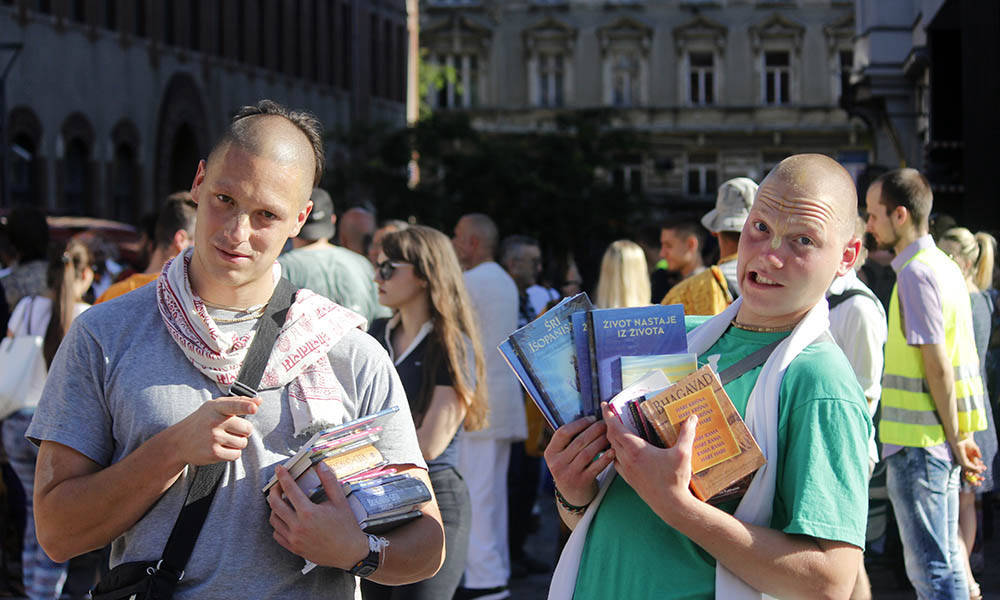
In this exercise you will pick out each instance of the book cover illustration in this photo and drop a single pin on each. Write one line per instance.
(545, 350)
(724, 451)
(674, 366)
(642, 331)
(510, 356)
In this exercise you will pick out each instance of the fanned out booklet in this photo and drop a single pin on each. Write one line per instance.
(380, 498)
(574, 356)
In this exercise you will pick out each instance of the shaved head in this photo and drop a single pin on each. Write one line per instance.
(269, 130)
(483, 228)
(819, 176)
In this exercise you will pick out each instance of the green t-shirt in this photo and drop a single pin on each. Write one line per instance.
(343, 276)
(821, 488)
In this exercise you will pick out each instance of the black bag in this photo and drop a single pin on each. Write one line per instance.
(157, 580)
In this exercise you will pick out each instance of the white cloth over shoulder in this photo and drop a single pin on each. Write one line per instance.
(762, 421)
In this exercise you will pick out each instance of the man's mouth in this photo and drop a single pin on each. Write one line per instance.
(758, 278)
(228, 255)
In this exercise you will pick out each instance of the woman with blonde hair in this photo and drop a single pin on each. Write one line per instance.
(433, 340)
(624, 279)
(68, 277)
(974, 255)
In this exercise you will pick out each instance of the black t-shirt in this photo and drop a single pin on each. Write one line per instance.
(411, 374)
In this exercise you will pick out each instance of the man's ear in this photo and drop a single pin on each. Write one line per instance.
(199, 178)
(899, 215)
(691, 243)
(851, 253)
(300, 219)
(181, 241)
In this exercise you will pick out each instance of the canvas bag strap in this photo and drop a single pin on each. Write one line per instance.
(189, 522)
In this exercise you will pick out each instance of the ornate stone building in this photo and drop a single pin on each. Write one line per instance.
(110, 104)
(723, 88)
(926, 82)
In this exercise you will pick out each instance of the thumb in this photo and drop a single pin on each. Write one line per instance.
(685, 438)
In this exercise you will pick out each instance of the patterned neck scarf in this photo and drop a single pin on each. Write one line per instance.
(298, 360)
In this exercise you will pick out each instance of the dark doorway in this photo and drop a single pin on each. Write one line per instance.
(23, 171)
(184, 159)
(76, 178)
(125, 184)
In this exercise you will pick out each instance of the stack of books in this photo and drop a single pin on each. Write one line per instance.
(574, 357)
(380, 497)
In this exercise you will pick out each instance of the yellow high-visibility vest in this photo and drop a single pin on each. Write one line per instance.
(909, 416)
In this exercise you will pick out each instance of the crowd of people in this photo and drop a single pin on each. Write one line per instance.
(142, 392)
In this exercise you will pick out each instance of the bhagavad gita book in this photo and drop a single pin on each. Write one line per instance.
(725, 456)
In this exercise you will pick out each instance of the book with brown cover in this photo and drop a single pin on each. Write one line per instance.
(725, 455)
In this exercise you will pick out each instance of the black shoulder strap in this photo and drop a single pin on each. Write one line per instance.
(759, 357)
(189, 522)
(836, 299)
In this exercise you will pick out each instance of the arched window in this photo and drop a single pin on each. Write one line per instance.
(125, 175)
(23, 181)
(76, 175)
(25, 167)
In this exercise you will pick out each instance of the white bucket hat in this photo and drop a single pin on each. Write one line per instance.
(732, 205)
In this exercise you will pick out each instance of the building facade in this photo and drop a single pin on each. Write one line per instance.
(723, 88)
(110, 104)
(926, 84)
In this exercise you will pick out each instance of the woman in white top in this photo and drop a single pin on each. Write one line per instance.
(70, 274)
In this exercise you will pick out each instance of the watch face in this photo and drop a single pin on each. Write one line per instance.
(366, 566)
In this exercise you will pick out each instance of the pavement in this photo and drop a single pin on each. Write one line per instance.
(887, 576)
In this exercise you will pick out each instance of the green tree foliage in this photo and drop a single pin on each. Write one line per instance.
(556, 186)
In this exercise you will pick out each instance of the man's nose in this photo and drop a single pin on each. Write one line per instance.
(237, 228)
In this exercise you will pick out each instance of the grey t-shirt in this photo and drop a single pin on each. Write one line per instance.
(119, 378)
(341, 275)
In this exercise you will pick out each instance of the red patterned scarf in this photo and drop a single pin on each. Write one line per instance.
(299, 357)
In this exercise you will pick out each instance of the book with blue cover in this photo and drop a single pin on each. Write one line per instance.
(586, 367)
(544, 348)
(642, 331)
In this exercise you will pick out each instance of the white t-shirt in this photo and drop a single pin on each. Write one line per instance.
(859, 326)
(494, 296)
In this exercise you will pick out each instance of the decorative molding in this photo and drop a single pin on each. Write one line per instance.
(626, 29)
(839, 32)
(456, 31)
(549, 31)
(777, 27)
(700, 28)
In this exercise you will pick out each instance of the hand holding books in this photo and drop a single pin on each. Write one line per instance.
(575, 458)
(661, 476)
(325, 533)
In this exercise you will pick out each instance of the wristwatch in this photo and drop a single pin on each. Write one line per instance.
(369, 564)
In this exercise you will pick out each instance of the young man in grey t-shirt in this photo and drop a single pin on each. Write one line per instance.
(135, 396)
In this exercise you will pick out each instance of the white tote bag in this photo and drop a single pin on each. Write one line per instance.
(22, 369)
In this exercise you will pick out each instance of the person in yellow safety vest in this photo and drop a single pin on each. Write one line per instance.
(932, 392)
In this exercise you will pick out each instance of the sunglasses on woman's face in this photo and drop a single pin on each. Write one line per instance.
(387, 268)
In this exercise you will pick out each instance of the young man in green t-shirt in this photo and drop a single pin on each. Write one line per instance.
(799, 530)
